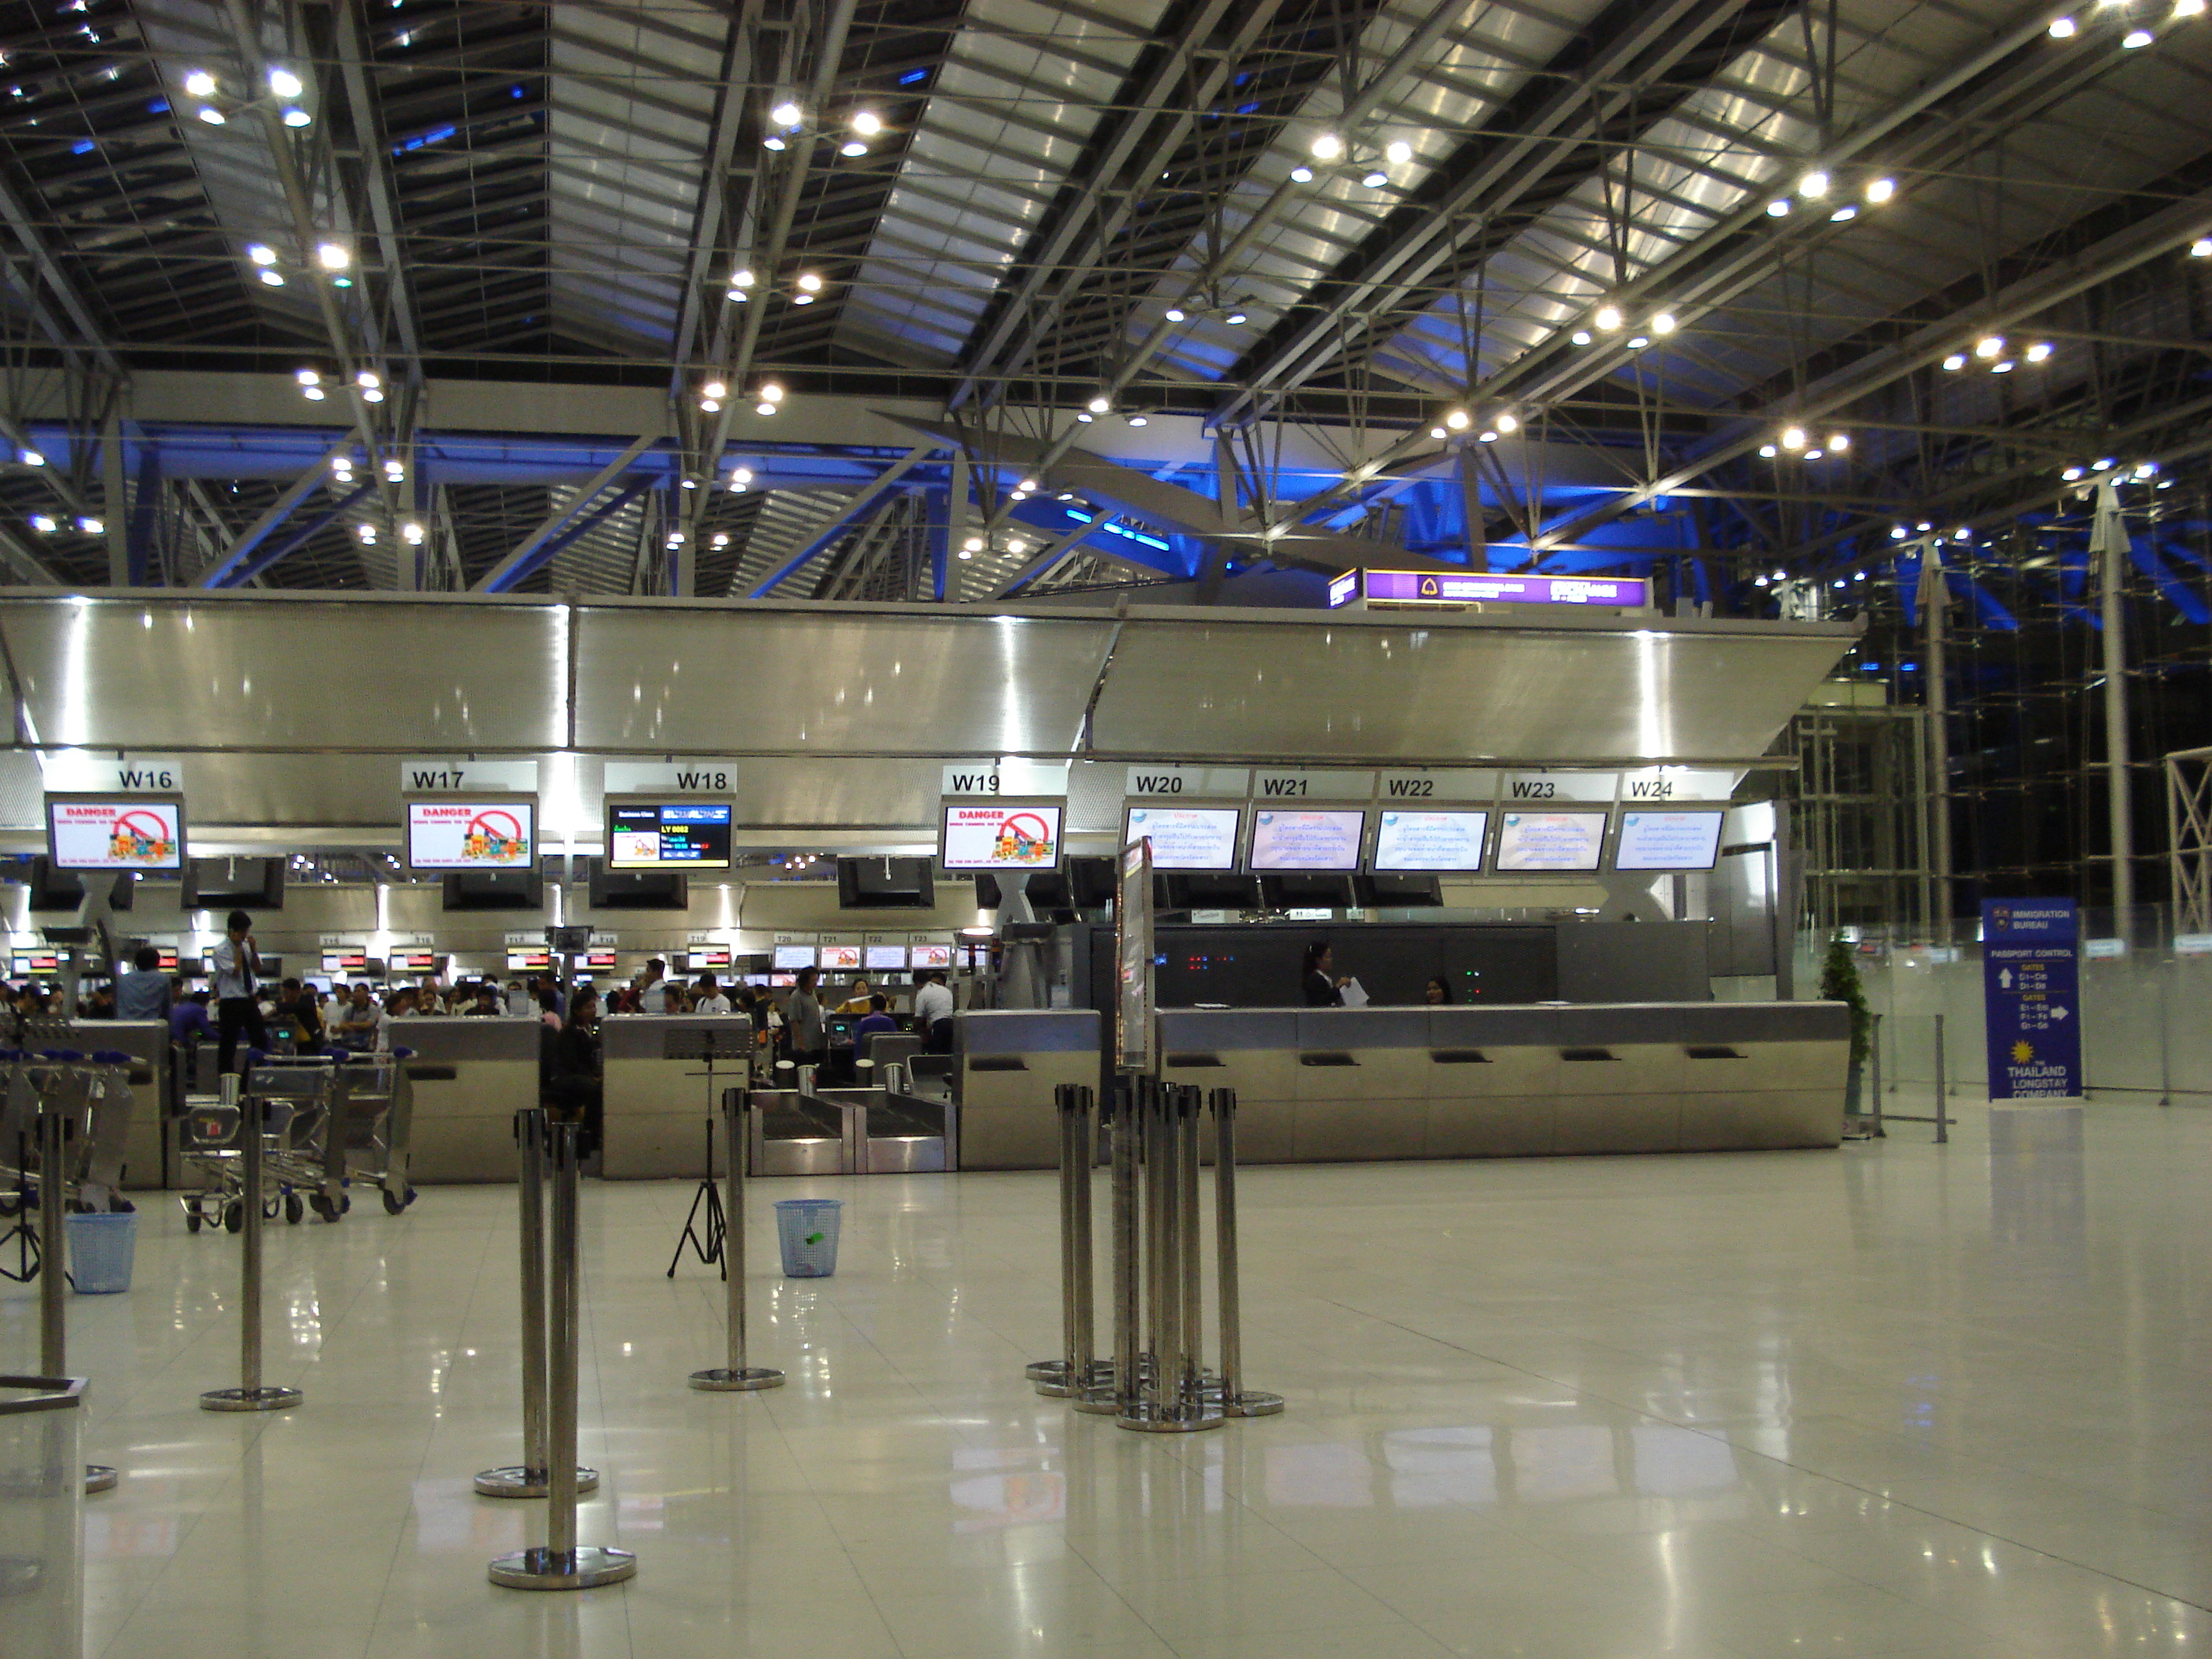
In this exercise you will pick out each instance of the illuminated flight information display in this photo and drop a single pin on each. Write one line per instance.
(669, 834)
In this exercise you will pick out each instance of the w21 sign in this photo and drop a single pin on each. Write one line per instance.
(2030, 998)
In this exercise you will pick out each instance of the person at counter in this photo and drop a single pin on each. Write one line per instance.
(803, 1017)
(355, 1023)
(237, 977)
(1438, 992)
(188, 1020)
(933, 1012)
(487, 1004)
(295, 1005)
(856, 999)
(571, 1079)
(1321, 989)
(653, 994)
(401, 1005)
(877, 1018)
(710, 999)
(144, 993)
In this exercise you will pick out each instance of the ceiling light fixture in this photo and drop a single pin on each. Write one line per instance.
(866, 123)
(1580, 337)
(1176, 313)
(1768, 451)
(1398, 152)
(1459, 420)
(1663, 322)
(852, 147)
(200, 84)
(1779, 208)
(772, 141)
(1375, 178)
(1236, 319)
(1793, 437)
(2040, 352)
(1880, 190)
(1813, 183)
(284, 83)
(1099, 403)
(1607, 317)
(295, 117)
(1839, 441)
(1989, 345)
(2061, 28)
(332, 256)
(1508, 423)
(1955, 362)
(809, 282)
(1844, 215)
(2134, 39)
(785, 113)
(1327, 147)
(211, 115)
(261, 253)
(31, 458)
(271, 279)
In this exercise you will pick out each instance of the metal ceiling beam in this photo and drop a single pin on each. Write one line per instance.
(731, 87)
(348, 30)
(870, 494)
(552, 549)
(227, 572)
(518, 564)
(265, 560)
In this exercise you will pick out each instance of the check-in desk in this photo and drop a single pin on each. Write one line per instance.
(1342, 1083)
(1006, 1062)
(470, 1075)
(147, 1157)
(656, 1094)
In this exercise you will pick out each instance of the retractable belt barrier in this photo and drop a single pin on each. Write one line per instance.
(243, 1117)
(735, 1375)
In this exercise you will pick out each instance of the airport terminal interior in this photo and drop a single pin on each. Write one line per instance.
(1119, 829)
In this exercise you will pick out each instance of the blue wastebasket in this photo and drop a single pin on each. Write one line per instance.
(101, 1248)
(806, 1228)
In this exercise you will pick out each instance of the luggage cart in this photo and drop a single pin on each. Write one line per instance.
(209, 1141)
(372, 1112)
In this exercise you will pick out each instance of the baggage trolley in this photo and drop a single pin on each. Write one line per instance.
(209, 1139)
(372, 1112)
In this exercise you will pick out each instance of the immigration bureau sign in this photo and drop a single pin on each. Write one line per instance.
(2030, 1000)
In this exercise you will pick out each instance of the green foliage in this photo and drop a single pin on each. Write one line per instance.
(1839, 983)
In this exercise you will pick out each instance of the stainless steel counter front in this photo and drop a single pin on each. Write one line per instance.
(147, 1157)
(658, 1101)
(471, 1077)
(1340, 1084)
(1006, 1062)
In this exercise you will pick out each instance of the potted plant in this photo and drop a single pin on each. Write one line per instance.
(1839, 983)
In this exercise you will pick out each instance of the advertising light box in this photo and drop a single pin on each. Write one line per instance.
(115, 832)
(790, 958)
(1319, 840)
(668, 835)
(1000, 834)
(490, 834)
(1551, 840)
(1668, 841)
(1186, 837)
(1409, 842)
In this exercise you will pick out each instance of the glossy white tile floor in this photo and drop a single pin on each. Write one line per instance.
(1896, 1400)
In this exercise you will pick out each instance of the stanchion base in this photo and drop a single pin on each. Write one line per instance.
(587, 1567)
(1046, 1370)
(249, 1400)
(1254, 1402)
(529, 1483)
(1057, 1386)
(1153, 1419)
(98, 1477)
(1101, 1402)
(722, 1380)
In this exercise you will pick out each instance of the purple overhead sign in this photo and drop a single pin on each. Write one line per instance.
(1474, 587)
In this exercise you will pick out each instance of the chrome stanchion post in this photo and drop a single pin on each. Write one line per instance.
(562, 1563)
(1942, 1087)
(737, 1377)
(53, 1313)
(529, 1479)
(1874, 1054)
(1082, 1360)
(1119, 1375)
(1236, 1399)
(1170, 1401)
(1192, 1289)
(249, 1395)
(1050, 1376)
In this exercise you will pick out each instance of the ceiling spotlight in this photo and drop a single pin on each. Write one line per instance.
(1844, 215)
(1663, 322)
(2134, 39)
(771, 143)
(1176, 313)
(1302, 174)
(740, 477)
(396, 469)
(332, 256)
(809, 282)
(711, 405)
(44, 523)
(713, 389)
(1375, 179)
(1989, 345)
(313, 394)
(676, 538)
(802, 299)
(1815, 454)
(1880, 190)
(367, 533)
(1580, 337)
(1814, 184)
(1897, 532)
(1508, 423)
(1028, 484)
(1015, 544)
(1767, 451)
(2002, 366)
(1779, 207)
(31, 458)
(1638, 342)
(211, 115)
(1955, 362)
(1458, 420)
(371, 394)
(367, 380)
(866, 123)
(1398, 152)
(2188, 8)
(284, 83)
(271, 279)
(2201, 248)
(2072, 475)
(1100, 404)
(1607, 317)
(1793, 438)
(200, 84)
(721, 539)
(771, 391)
(1486, 436)
(91, 526)
(785, 113)
(2039, 351)
(973, 544)
(308, 377)
(261, 253)
(1137, 420)
(1085, 417)
(1437, 431)
(2061, 28)
(1839, 441)
(764, 409)
(296, 117)
(1236, 319)
(741, 277)
(1327, 147)
(411, 533)
(852, 147)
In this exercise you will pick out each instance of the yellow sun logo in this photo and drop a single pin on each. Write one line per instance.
(2022, 1053)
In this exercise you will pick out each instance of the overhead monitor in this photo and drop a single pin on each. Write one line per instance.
(488, 832)
(705, 956)
(344, 962)
(414, 962)
(1186, 837)
(782, 982)
(527, 962)
(601, 961)
(116, 832)
(1312, 839)
(1408, 843)
(789, 958)
(679, 834)
(887, 958)
(23, 963)
(1000, 834)
(167, 964)
(929, 956)
(1668, 841)
(839, 959)
(1550, 842)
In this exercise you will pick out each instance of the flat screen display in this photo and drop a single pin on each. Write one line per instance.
(1186, 837)
(525, 961)
(668, 835)
(1412, 842)
(929, 956)
(839, 959)
(1000, 834)
(415, 961)
(1668, 841)
(346, 962)
(167, 964)
(1305, 840)
(789, 958)
(706, 956)
(782, 981)
(1551, 840)
(115, 832)
(887, 958)
(22, 964)
(599, 960)
(478, 835)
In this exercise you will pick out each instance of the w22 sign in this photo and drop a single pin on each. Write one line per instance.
(2030, 998)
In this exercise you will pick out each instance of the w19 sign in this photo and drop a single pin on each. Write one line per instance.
(2030, 998)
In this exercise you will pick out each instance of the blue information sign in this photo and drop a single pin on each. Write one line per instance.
(2030, 1000)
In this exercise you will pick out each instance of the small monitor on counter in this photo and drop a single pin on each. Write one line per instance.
(1683, 840)
(1186, 837)
(1561, 841)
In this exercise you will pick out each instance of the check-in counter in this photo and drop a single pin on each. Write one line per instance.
(658, 1099)
(1006, 1063)
(470, 1075)
(148, 1157)
(1332, 1084)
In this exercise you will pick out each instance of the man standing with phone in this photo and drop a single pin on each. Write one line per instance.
(237, 976)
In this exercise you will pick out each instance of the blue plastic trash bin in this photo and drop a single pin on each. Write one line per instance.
(806, 1228)
(101, 1248)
